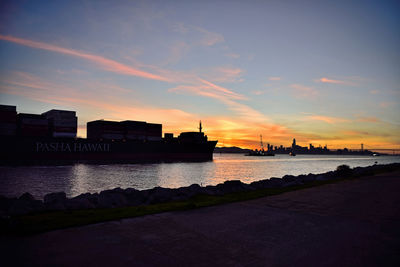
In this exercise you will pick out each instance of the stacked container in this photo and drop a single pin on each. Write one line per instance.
(153, 132)
(32, 125)
(100, 129)
(8, 120)
(169, 136)
(62, 123)
(130, 130)
(134, 130)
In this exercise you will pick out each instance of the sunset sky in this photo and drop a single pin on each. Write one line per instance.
(323, 72)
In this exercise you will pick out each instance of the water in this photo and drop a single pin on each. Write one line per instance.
(83, 178)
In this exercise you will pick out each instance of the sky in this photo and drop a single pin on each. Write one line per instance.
(323, 72)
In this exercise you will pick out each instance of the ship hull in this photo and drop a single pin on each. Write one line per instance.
(27, 151)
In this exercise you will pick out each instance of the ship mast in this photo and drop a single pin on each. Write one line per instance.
(200, 127)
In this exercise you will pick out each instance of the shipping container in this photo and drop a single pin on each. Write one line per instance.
(153, 130)
(32, 125)
(64, 134)
(134, 130)
(169, 136)
(62, 123)
(64, 129)
(60, 114)
(8, 128)
(8, 108)
(8, 114)
(102, 129)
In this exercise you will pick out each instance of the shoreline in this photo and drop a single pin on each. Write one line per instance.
(25, 215)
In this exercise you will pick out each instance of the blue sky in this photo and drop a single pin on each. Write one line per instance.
(325, 72)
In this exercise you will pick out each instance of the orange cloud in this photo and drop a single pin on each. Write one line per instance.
(369, 119)
(332, 81)
(304, 91)
(330, 120)
(386, 104)
(274, 78)
(222, 90)
(226, 74)
(374, 92)
(209, 38)
(233, 55)
(107, 64)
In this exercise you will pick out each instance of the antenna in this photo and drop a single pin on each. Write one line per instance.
(200, 127)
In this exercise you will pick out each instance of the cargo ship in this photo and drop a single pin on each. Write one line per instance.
(51, 138)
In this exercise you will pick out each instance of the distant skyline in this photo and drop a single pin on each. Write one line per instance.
(323, 72)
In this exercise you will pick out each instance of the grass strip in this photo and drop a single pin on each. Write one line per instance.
(48, 221)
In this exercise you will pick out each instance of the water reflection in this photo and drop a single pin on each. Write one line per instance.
(81, 178)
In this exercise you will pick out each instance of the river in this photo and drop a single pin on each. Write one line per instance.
(82, 178)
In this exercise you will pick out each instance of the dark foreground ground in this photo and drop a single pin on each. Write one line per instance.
(350, 223)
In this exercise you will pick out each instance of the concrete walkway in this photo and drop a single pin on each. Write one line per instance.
(352, 223)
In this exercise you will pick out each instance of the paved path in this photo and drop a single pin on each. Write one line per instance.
(352, 223)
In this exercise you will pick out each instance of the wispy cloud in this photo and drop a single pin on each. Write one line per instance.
(386, 104)
(304, 91)
(374, 92)
(225, 74)
(104, 63)
(355, 133)
(368, 119)
(209, 38)
(177, 51)
(180, 27)
(327, 119)
(232, 55)
(208, 89)
(349, 81)
(227, 97)
(274, 78)
(258, 92)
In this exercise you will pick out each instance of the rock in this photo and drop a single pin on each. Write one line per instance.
(160, 195)
(24, 205)
(26, 196)
(358, 171)
(195, 189)
(307, 178)
(55, 201)
(5, 204)
(134, 197)
(233, 186)
(82, 201)
(212, 190)
(322, 177)
(268, 183)
(184, 193)
(112, 198)
(276, 182)
(289, 178)
(344, 171)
